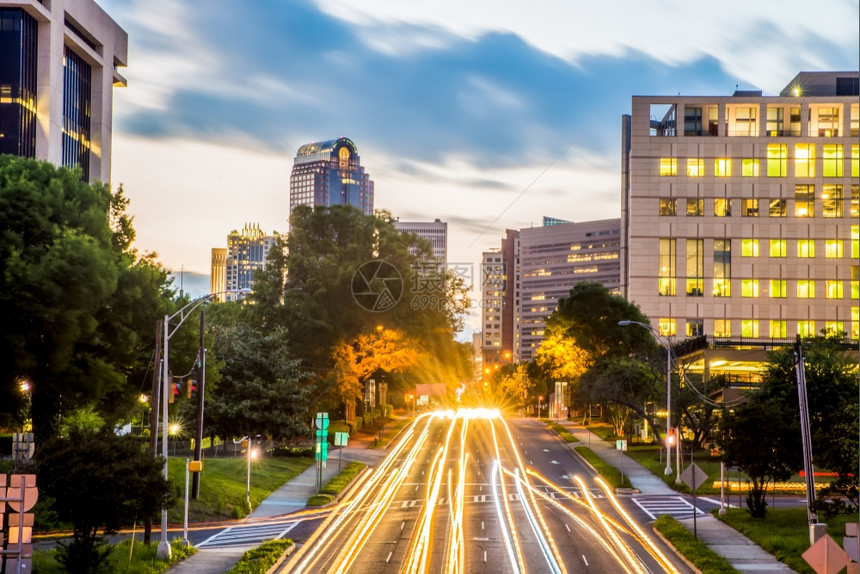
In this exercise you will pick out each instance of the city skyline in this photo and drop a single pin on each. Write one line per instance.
(458, 112)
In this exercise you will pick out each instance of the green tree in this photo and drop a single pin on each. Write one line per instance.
(99, 482)
(78, 304)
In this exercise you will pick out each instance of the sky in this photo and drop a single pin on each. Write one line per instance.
(486, 114)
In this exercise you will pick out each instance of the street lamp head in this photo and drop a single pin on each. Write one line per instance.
(624, 323)
(143, 399)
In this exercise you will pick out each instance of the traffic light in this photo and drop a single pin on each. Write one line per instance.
(175, 389)
(191, 388)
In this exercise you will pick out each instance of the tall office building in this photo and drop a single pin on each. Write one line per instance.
(59, 64)
(550, 261)
(436, 232)
(330, 173)
(740, 213)
(233, 268)
(498, 284)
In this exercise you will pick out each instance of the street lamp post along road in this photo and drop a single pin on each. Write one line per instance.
(659, 336)
(185, 312)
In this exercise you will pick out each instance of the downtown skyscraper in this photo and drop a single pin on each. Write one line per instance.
(330, 173)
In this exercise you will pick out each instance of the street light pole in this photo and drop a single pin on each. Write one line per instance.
(163, 551)
(658, 335)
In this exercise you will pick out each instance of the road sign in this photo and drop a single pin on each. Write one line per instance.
(27, 483)
(694, 477)
(321, 421)
(825, 556)
(341, 438)
(621, 445)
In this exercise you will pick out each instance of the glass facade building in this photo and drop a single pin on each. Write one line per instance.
(330, 173)
(18, 75)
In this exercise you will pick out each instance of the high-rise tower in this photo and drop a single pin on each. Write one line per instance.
(330, 173)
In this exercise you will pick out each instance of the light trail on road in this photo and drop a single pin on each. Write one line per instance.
(372, 532)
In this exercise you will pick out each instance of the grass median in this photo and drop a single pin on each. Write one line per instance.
(561, 431)
(337, 483)
(223, 484)
(693, 549)
(123, 557)
(259, 560)
(609, 473)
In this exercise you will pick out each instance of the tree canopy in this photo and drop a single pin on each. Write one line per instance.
(79, 305)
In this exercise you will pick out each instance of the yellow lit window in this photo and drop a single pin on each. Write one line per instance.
(668, 206)
(778, 329)
(778, 288)
(833, 249)
(855, 289)
(695, 167)
(777, 208)
(855, 323)
(855, 241)
(833, 289)
(695, 207)
(723, 167)
(778, 248)
(668, 166)
(777, 160)
(667, 327)
(749, 287)
(749, 247)
(806, 248)
(749, 208)
(749, 328)
(855, 201)
(832, 160)
(834, 327)
(855, 160)
(749, 167)
(666, 271)
(722, 328)
(722, 207)
(722, 288)
(825, 121)
(805, 289)
(806, 328)
(831, 200)
(804, 200)
(804, 160)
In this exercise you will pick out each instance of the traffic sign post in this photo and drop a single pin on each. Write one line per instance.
(321, 422)
(341, 439)
(21, 496)
(694, 477)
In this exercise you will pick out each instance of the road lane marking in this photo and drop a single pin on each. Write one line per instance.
(389, 556)
(584, 560)
(566, 526)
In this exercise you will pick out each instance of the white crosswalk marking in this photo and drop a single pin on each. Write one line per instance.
(675, 506)
(248, 535)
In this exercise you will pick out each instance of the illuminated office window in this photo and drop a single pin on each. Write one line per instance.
(806, 248)
(777, 160)
(805, 289)
(749, 208)
(749, 247)
(775, 121)
(804, 201)
(666, 273)
(695, 207)
(668, 166)
(855, 160)
(667, 327)
(722, 328)
(723, 167)
(794, 122)
(722, 207)
(742, 120)
(695, 327)
(806, 328)
(695, 167)
(722, 267)
(831, 200)
(778, 329)
(855, 323)
(804, 160)
(749, 167)
(777, 208)
(824, 121)
(832, 160)
(855, 241)
(749, 328)
(833, 289)
(668, 206)
(855, 201)
(834, 327)
(778, 247)
(833, 248)
(695, 267)
(778, 288)
(749, 287)
(855, 121)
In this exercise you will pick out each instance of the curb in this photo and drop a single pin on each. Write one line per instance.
(274, 567)
(676, 551)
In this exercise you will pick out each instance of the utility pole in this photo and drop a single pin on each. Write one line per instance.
(201, 387)
(153, 398)
(806, 441)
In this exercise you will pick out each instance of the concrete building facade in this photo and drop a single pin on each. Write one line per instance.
(59, 63)
(740, 213)
(436, 232)
(550, 261)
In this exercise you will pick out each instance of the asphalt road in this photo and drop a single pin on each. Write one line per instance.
(480, 494)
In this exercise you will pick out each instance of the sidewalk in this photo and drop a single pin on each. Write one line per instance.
(737, 549)
(289, 498)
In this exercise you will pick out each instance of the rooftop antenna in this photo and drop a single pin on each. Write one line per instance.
(181, 277)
